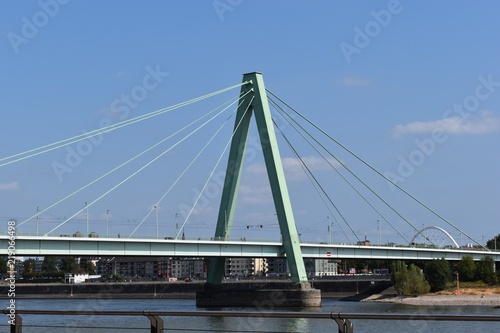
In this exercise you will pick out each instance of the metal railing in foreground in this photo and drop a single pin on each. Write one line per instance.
(343, 320)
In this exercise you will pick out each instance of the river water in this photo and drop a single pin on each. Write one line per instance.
(90, 324)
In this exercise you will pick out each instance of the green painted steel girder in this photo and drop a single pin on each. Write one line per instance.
(35, 246)
(255, 103)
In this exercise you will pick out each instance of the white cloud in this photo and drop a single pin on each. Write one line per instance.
(12, 186)
(255, 188)
(482, 123)
(294, 170)
(293, 167)
(256, 194)
(256, 169)
(121, 73)
(354, 81)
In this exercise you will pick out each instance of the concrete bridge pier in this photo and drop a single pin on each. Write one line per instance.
(294, 296)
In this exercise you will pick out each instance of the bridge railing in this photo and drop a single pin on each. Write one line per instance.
(244, 239)
(157, 325)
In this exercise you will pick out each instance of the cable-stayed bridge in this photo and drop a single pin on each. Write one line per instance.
(274, 119)
(96, 247)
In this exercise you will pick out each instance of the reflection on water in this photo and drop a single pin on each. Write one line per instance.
(296, 325)
(113, 324)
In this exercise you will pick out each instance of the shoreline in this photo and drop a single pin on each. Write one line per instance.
(422, 300)
(438, 300)
(153, 290)
(186, 295)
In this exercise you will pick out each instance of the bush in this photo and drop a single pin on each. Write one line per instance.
(399, 277)
(408, 281)
(416, 281)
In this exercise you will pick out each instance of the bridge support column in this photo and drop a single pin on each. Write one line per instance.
(253, 101)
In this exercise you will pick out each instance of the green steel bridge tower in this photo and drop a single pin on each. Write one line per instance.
(256, 104)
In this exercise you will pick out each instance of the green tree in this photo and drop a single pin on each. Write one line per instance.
(416, 281)
(486, 271)
(90, 268)
(87, 266)
(399, 277)
(69, 265)
(3, 266)
(377, 264)
(408, 281)
(29, 268)
(49, 265)
(116, 277)
(438, 274)
(466, 268)
(494, 243)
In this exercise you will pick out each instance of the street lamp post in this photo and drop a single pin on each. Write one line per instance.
(379, 232)
(87, 209)
(330, 229)
(176, 225)
(107, 223)
(156, 208)
(329, 236)
(37, 210)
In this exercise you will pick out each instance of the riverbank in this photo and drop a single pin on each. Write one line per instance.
(171, 290)
(466, 297)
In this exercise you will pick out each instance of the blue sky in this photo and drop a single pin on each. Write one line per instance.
(413, 87)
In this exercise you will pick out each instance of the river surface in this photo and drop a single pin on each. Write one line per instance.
(90, 324)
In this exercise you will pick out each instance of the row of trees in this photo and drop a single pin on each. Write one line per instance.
(494, 243)
(414, 280)
(51, 267)
(483, 270)
(435, 275)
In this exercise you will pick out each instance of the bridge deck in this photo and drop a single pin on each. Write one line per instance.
(74, 246)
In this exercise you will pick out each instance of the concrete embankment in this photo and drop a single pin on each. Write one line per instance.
(164, 289)
(106, 290)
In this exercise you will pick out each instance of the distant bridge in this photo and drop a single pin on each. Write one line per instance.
(75, 246)
(435, 235)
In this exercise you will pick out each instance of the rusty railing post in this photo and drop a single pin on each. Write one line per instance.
(17, 327)
(157, 323)
(344, 324)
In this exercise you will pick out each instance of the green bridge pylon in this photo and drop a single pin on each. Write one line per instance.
(255, 103)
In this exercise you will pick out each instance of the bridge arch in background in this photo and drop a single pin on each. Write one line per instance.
(434, 235)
